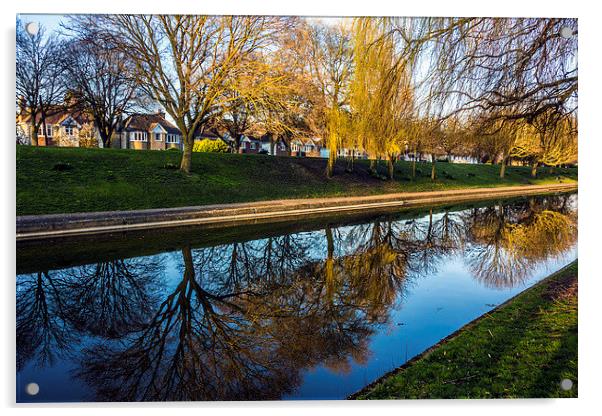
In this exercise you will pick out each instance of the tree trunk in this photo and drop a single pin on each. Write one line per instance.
(433, 168)
(237, 140)
(329, 270)
(34, 133)
(534, 169)
(390, 166)
(503, 167)
(106, 138)
(331, 161)
(373, 166)
(186, 163)
(414, 165)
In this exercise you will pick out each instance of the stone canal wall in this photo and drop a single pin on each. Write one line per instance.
(34, 227)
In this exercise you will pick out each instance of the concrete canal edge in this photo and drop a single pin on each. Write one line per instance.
(466, 327)
(38, 227)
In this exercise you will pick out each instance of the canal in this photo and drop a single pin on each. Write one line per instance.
(313, 309)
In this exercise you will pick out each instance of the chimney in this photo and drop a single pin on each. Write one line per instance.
(161, 113)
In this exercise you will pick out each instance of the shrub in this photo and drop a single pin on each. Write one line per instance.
(210, 146)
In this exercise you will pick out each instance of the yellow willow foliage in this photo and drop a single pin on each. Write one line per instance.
(526, 142)
(380, 93)
(376, 274)
(513, 249)
(549, 233)
(560, 145)
(551, 143)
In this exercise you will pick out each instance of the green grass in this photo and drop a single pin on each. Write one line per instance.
(110, 179)
(521, 350)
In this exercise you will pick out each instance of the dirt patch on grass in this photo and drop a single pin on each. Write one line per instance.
(562, 289)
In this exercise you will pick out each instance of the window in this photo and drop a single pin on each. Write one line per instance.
(172, 138)
(69, 130)
(282, 146)
(138, 136)
(252, 146)
(158, 137)
(48, 130)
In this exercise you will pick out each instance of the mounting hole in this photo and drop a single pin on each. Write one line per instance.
(32, 28)
(32, 389)
(566, 32)
(566, 384)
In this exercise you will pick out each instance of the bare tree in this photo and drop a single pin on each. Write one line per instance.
(329, 55)
(101, 77)
(40, 87)
(188, 63)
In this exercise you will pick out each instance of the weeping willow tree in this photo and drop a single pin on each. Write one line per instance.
(522, 71)
(551, 139)
(381, 93)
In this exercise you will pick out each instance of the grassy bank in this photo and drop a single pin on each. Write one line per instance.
(523, 349)
(62, 180)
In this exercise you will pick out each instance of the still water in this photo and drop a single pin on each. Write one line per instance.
(298, 312)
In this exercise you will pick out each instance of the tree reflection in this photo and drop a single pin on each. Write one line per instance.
(207, 343)
(41, 331)
(508, 241)
(242, 320)
(112, 298)
(56, 309)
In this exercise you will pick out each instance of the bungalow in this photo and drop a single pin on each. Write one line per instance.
(249, 144)
(62, 127)
(148, 132)
(344, 152)
(310, 147)
(278, 148)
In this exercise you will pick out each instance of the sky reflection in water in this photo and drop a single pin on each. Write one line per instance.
(305, 315)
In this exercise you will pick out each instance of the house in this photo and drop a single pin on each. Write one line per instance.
(62, 127)
(269, 147)
(148, 132)
(308, 147)
(249, 144)
(344, 152)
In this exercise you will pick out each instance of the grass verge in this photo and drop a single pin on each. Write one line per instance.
(66, 180)
(523, 349)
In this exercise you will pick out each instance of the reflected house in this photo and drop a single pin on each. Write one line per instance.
(148, 132)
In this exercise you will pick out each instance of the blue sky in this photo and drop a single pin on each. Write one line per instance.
(50, 22)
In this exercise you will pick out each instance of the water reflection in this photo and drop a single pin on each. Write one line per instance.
(242, 321)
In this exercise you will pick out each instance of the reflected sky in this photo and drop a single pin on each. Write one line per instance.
(312, 314)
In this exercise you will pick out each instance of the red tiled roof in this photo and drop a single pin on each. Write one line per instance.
(57, 115)
(146, 122)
